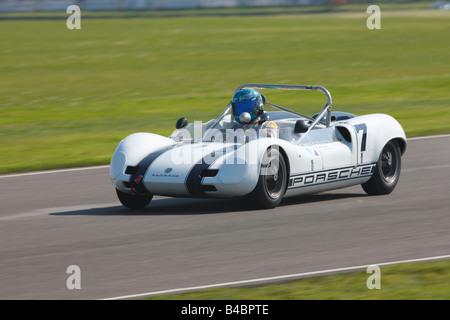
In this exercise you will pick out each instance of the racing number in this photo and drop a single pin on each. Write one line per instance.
(363, 127)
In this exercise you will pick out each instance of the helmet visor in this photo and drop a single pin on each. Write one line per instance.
(245, 106)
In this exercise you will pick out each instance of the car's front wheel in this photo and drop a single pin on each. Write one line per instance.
(133, 201)
(387, 171)
(272, 181)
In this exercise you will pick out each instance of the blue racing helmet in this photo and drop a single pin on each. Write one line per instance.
(247, 100)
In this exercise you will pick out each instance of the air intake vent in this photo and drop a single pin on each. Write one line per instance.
(208, 173)
(208, 188)
(345, 133)
(131, 170)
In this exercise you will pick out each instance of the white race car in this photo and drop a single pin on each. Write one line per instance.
(278, 154)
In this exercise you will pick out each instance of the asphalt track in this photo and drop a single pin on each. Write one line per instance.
(52, 220)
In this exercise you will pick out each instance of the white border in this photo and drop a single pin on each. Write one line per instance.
(275, 278)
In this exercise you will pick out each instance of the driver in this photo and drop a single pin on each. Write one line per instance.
(248, 110)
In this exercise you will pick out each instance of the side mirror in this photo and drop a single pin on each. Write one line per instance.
(181, 123)
(301, 126)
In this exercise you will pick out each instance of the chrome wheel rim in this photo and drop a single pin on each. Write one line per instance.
(274, 180)
(389, 164)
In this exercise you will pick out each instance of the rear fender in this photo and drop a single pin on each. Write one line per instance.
(373, 132)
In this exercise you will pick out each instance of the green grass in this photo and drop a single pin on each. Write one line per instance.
(411, 281)
(68, 96)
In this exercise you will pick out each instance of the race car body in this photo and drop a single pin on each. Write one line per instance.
(283, 154)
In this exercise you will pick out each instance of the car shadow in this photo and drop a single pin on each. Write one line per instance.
(319, 197)
(203, 206)
(167, 206)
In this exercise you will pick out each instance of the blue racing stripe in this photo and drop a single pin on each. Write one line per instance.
(136, 181)
(194, 178)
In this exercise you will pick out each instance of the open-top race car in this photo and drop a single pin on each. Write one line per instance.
(267, 155)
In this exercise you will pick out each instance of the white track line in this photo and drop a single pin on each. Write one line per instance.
(16, 175)
(283, 277)
(429, 137)
(58, 210)
(52, 171)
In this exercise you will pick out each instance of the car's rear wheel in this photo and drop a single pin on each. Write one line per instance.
(133, 201)
(272, 181)
(387, 171)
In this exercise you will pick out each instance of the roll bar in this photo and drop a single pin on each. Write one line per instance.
(326, 110)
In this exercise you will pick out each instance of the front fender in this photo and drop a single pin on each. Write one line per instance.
(239, 170)
(131, 150)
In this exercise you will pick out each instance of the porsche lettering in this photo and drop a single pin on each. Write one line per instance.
(320, 177)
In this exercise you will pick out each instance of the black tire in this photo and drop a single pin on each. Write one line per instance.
(133, 201)
(386, 172)
(272, 182)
